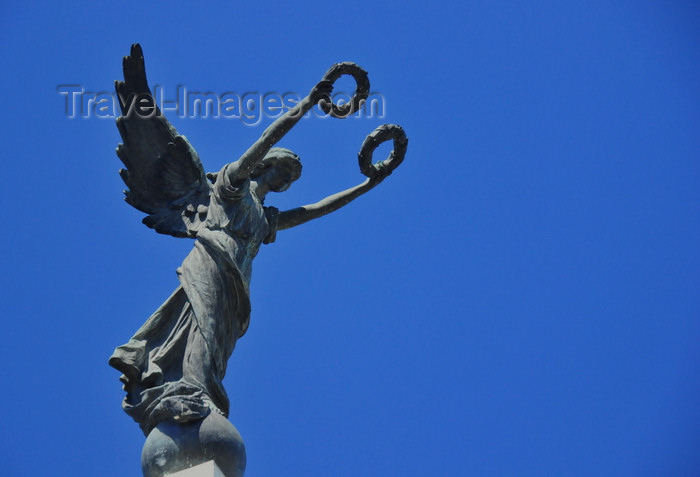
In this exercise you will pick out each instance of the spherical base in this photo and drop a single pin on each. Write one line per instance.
(171, 447)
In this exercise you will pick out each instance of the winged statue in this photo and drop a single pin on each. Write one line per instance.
(173, 367)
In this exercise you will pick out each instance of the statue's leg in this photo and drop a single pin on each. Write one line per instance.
(191, 427)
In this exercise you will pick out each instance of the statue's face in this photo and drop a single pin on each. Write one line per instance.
(281, 175)
(278, 179)
(278, 170)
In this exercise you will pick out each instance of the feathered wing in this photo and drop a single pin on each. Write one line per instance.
(164, 175)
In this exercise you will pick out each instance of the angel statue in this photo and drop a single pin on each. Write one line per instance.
(174, 365)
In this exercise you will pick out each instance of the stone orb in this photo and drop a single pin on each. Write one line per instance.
(171, 447)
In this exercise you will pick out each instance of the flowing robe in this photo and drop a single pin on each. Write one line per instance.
(174, 365)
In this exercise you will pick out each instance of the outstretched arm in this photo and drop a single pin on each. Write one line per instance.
(376, 173)
(300, 215)
(242, 168)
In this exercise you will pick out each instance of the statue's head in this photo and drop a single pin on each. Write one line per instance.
(279, 169)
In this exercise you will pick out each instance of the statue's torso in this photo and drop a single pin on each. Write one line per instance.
(236, 224)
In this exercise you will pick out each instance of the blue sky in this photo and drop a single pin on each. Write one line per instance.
(520, 298)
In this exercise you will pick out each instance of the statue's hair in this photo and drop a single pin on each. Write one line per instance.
(279, 156)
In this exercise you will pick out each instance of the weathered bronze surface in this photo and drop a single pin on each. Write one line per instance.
(174, 365)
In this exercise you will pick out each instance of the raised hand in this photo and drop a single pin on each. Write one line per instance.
(321, 92)
(381, 171)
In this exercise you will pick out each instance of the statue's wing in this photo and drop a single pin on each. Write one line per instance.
(164, 175)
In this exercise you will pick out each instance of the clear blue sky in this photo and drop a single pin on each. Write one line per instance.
(520, 298)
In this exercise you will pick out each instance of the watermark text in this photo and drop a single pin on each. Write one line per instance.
(250, 107)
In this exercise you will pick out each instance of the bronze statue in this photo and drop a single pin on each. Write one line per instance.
(174, 365)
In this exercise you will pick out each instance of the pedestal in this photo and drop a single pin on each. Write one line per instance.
(208, 469)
